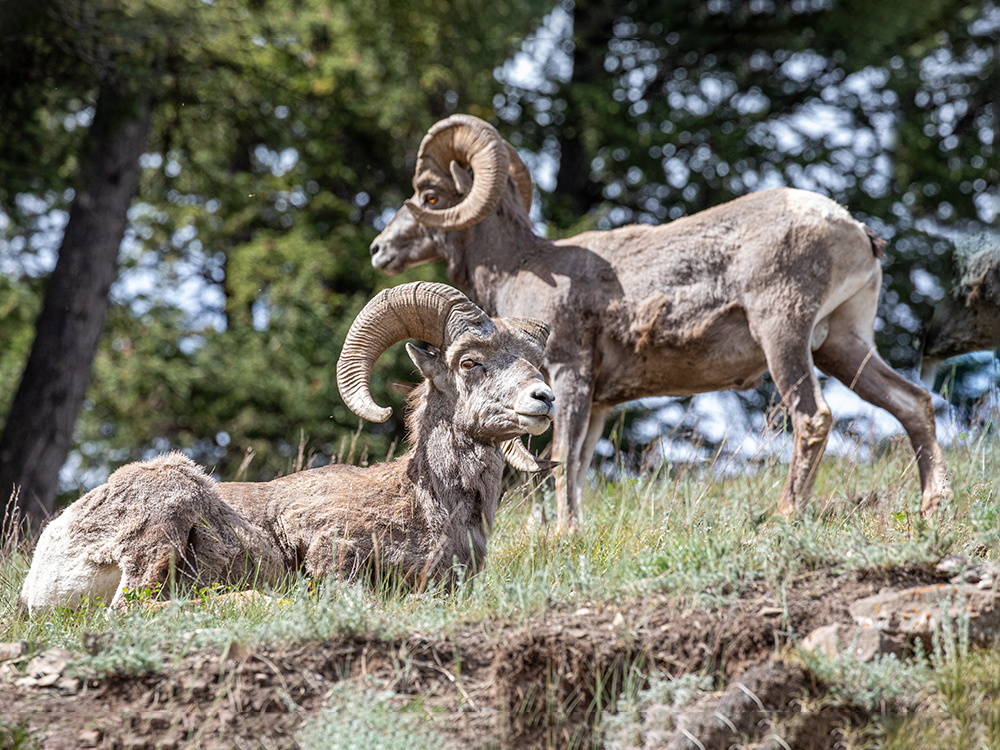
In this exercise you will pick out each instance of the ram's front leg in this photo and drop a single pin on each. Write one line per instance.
(573, 389)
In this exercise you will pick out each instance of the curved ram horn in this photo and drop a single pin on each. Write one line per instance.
(522, 178)
(521, 459)
(471, 142)
(534, 329)
(435, 313)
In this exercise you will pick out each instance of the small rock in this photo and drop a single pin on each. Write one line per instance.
(973, 575)
(91, 737)
(618, 621)
(770, 611)
(862, 643)
(919, 610)
(48, 680)
(50, 662)
(68, 685)
(952, 564)
(159, 719)
(989, 574)
(9, 651)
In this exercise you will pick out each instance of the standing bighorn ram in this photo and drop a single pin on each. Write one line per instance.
(968, 319)
(422, 516)
(776, 280)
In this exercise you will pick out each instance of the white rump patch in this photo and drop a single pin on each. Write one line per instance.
(815, 206)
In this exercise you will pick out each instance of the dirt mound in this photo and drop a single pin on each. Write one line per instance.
(765, 703)
(542, 684)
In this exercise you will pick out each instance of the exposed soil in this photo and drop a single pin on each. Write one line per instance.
(492, 684)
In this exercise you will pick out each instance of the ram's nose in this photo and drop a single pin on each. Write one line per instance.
(380, 256)
(543, 393)
(535, 409)
(538, 402)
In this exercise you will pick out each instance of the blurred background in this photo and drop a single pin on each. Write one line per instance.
(194, 184)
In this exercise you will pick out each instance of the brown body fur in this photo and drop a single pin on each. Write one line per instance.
(776, 280)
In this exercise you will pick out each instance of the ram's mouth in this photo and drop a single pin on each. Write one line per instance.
(547, 414)
(535, 422)
(381, 260)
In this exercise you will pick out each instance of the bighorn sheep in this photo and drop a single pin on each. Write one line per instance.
(776, 280)
(420, 516)
(968, 319)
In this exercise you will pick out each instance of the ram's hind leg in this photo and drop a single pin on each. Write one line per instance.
(183, 549)
(170, 506)
(791, 368)
(849, 355)
(598, 418)
(150, 567)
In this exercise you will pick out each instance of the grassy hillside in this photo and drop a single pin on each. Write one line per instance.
(692, 547)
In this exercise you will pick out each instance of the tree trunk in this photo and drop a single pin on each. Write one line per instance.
(39, 428)
(575, 193)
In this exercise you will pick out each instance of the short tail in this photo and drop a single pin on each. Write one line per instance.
(878, 244)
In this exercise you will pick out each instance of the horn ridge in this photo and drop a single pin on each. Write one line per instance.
(474, 143)
(522, 178)
(428, 311)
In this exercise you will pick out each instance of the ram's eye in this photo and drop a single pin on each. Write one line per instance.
(430, 199)
(468, 364)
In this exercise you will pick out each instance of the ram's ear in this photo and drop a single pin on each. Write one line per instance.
(430, 364)
(462, 178)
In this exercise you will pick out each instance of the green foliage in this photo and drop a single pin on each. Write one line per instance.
(886, 684)
(329, 610)
(140, 652)
(17, 736)
(19, 306)
(622, 728)
(247, 253)
(946, 698)
(672, 107)
(685, 537)
(702, 550)
(222, 393)
(963, 711)
(359, 718)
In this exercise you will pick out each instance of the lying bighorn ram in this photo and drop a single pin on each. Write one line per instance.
(776, 280)
(968, 319)
(419, 516)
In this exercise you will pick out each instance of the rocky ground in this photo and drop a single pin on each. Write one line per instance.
(539, 684)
